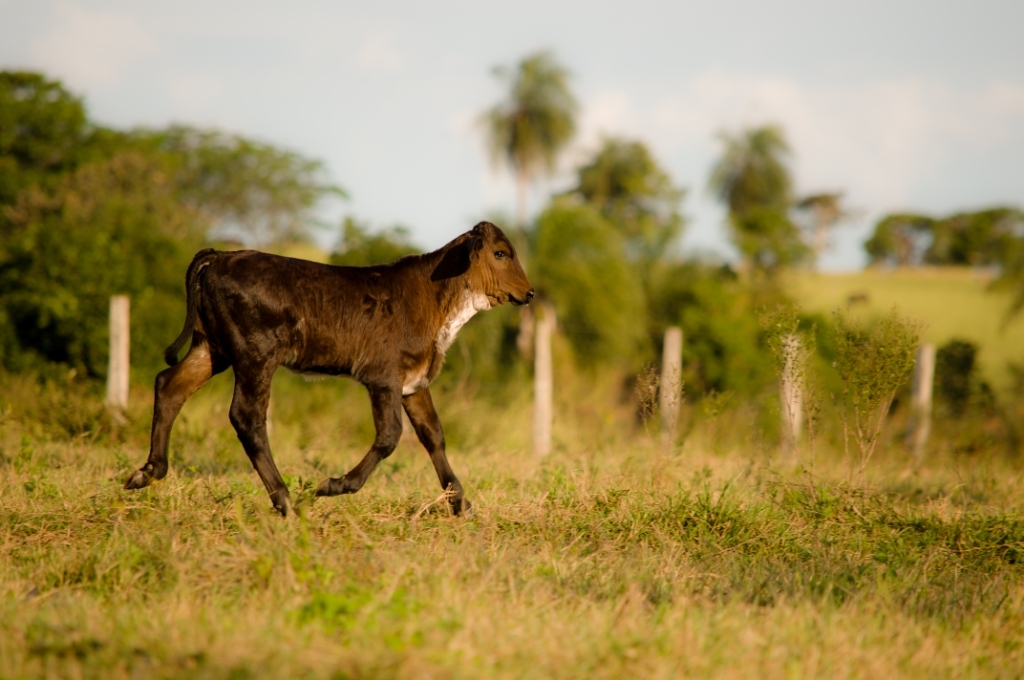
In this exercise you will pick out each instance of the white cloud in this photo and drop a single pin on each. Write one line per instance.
(881, 142)
(191, 94)
(378, 54)
(876, 139)
(92, 49)
(609, 112)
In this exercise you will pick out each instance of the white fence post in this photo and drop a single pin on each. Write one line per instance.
(921, 400)
(544, 324)
(791, 392)
(120, 338)
(671, 384)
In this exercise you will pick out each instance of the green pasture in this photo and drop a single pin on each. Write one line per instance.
(953, 303)
(612, 558)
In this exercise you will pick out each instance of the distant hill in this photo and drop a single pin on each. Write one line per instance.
(953, 302)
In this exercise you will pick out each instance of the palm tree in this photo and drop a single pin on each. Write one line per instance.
(752, 179)
(752, 172)
(534, 123)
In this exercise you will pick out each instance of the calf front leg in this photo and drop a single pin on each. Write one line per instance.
(387, 419)
(420, 407)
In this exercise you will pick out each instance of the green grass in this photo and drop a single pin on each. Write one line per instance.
(952, 302)
(610, 559)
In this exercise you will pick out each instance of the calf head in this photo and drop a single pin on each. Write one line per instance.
(490, 262)
(495, 269)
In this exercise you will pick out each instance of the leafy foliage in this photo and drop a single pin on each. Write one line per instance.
(110, 227)
(722, 351)
(87, 212)
(753, 171)
(958, 385)
(43, 131)
(993, 236)
(359, 247)
(768, 238)
(244, 188)
(901, 238)
(578, 263)
(635, 194)
(872, 364)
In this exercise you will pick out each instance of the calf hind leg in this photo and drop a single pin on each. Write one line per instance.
(387, 418)
(173, 387)
(249, 417)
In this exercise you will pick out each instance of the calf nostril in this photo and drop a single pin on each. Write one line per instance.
(529, 295)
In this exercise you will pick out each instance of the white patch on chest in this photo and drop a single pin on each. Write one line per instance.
(469, 305)
(463, 312)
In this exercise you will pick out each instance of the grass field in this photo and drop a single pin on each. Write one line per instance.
(614, 557)
(610, 559)
(953, 303)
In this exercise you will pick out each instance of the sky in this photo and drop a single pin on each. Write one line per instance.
(902, 105)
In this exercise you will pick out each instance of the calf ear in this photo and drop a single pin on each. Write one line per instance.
(457, 260)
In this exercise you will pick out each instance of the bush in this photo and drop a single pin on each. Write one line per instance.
(722, 348)
(579, 264)
(956, 379)
(110, 227)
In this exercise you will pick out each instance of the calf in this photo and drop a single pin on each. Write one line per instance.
(387, 326)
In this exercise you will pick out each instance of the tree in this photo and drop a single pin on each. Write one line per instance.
(534, 123)
(43, 131)
(989, 237)
(900, 238)
(825, 211)
(579, 265)
(110, 227)
(87, 212)
(635, 194)
(753, 171)
(979, 238)
(752, 180)
(244, 188)
(359, 247)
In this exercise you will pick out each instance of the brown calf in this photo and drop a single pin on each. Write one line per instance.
(387, 326)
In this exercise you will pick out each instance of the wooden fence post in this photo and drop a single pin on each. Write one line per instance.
(671, 384)
(120, 337)
(791, 392)
(544, 324)
(921, 400)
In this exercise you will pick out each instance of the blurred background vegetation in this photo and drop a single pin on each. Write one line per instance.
(87, 212)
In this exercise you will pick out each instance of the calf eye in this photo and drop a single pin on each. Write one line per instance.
(501, 254)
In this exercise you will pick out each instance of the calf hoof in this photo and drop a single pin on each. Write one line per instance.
(282, 502)
(335, 486)
(462, 508)
(142, 478)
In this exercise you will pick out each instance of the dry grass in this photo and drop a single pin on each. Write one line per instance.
(611, 559)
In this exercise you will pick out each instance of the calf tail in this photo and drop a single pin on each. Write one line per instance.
(201, 259)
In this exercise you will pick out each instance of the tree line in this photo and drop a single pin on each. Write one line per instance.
(87, 211)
